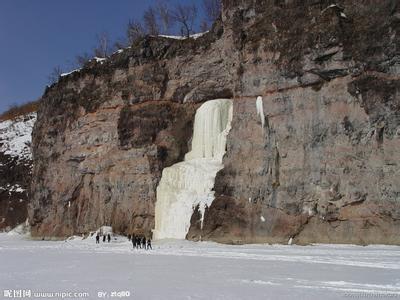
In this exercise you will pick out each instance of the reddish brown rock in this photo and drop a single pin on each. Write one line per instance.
(104, 134)
(324, 168)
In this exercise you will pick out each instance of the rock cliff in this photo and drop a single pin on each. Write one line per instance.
(315, 159)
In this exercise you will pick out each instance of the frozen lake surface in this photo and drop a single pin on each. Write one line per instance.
(187, 270)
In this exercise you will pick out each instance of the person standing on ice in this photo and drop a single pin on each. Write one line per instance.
(149, 244)
(108, 238)
(104, 238)
(143, 242)
(97, 238)
(134, 244)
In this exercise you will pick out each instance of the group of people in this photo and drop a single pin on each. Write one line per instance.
(105, 236)
(140, 242)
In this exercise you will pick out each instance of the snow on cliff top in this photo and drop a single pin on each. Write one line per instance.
(96, 59)
(16, 136)
(177, 37)
(69, 73)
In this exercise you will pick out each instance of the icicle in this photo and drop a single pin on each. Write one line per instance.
(260, 110)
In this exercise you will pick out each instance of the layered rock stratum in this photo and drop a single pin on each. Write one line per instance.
(315, 159)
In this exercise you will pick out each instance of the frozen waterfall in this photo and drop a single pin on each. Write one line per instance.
(187, 184)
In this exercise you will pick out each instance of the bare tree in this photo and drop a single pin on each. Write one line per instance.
(185, 15)
(212, 9)
(82, 59)
(120, 44)
(204, 26)
(164, 15)
(54, 75)
(150, 21)
(103, 48)
(134, 31)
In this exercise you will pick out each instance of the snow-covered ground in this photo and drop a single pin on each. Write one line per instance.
(16, 136)
(187, 270)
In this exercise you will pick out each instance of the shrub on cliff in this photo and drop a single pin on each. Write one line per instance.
(19, 110)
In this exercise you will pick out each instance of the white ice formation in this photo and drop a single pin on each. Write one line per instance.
(189, 184)
(260, 110)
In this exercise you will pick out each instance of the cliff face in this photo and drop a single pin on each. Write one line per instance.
(15, 169)
(325, 166)
(104, 134)
(318, 161)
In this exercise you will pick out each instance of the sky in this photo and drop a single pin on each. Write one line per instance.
(38, 35)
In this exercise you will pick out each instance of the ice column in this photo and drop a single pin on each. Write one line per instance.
(187, 184)
(260, 110)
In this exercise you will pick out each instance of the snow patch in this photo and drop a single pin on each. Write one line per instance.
(335, 6)
(260, 282)
(197, 35)
(23, 229)
(188, 184)
(69, 73)
(99, 59)
(332, 5)
(178, 37)
(74, 238)
(15, 188)
(16, 136)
